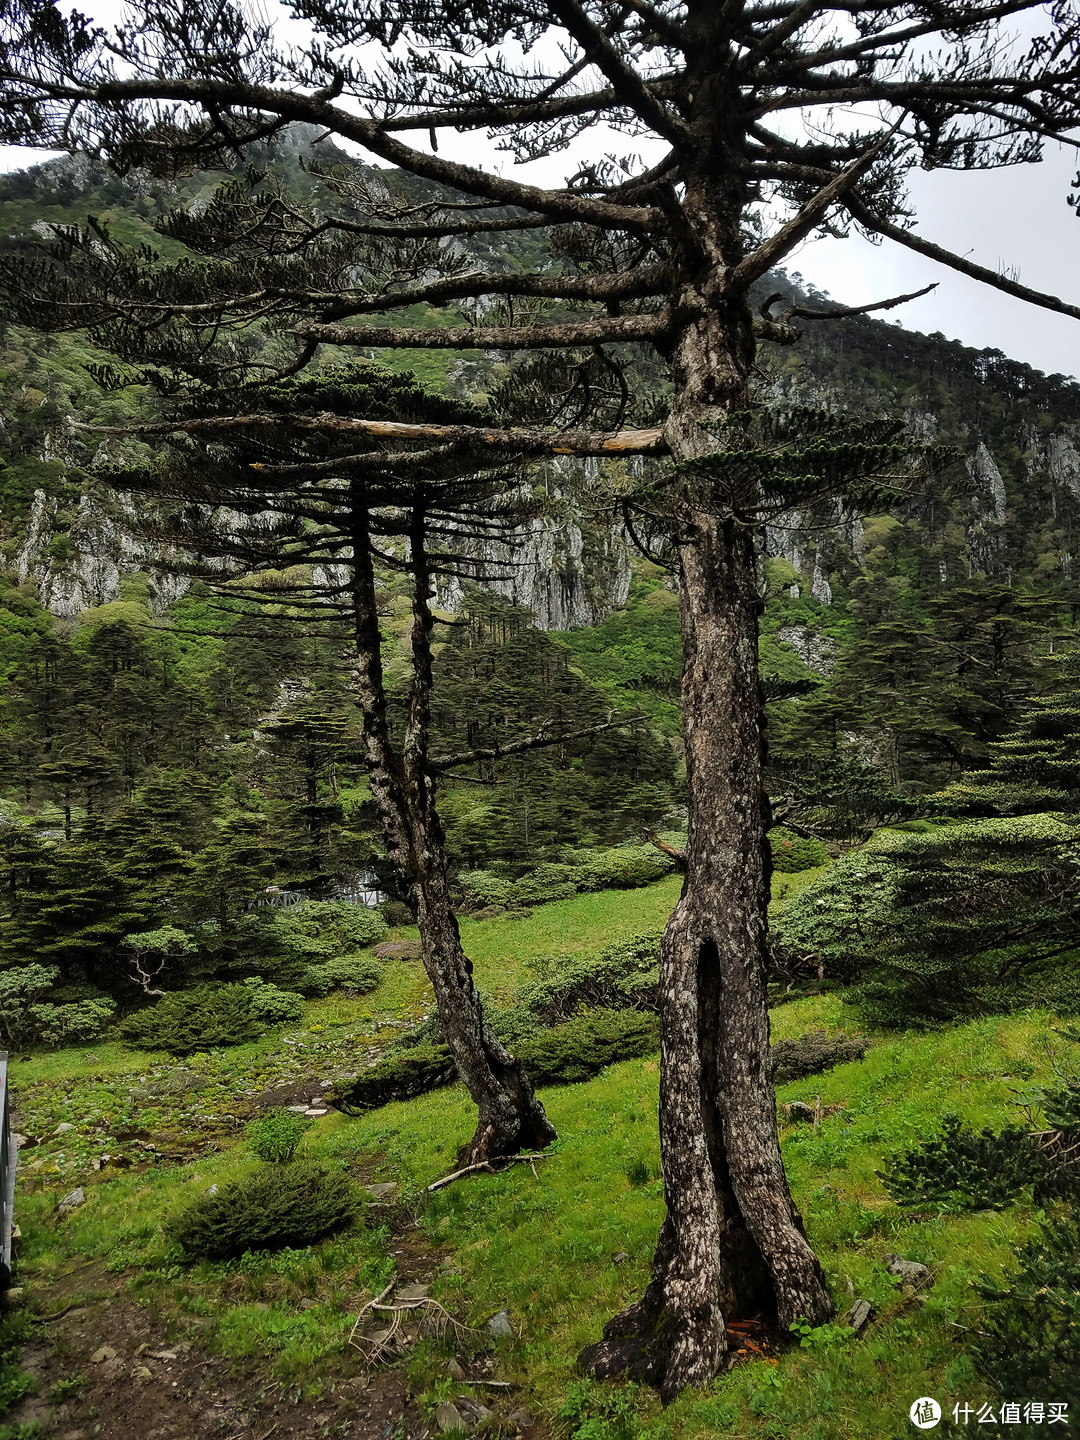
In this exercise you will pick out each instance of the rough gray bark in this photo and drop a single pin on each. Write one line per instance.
(510, 1116)
(732, 1244)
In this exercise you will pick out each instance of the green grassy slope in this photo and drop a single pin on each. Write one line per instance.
(543, 1245)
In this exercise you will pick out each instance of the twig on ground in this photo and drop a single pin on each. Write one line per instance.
(488, 1165)
(384, 1343)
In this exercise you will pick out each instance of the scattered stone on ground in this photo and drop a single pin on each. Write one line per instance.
(383, 1190)
(520, 1418)
(412, 1292)
(499, 1325)
(103, 1352)
(448, 1417)
(911, 1272)
(455, 1369)
(71, 1201)
(474, 1410)
(859, 1315)
(799, 1110)
(620, 1257)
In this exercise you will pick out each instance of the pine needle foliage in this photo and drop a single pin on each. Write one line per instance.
(963, 1169)
(281, 1205)
(778, 459)
(1028, 1341)
(209, 1016)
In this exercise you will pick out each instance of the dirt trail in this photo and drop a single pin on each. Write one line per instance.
(147, 1387)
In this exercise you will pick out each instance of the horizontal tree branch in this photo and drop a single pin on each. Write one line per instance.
(217, 97)
(540, 741)
(614, 330)
(528, 442)
(867, 218)
(837, 312)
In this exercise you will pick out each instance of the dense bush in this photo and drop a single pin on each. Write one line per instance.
(281, 1205)
(931, 927)
(408, 1072)
(69, 1015)
(69, 1024)
(275, 1136)
(1028, 1342)
(813, 1053)
(352, 972)
(625, 975)
(397, 913)
(622, 868)
(583, 1046)
(961, 1169)
(271, 1006)
(210, 1016)
(320, 930)
(792, 853)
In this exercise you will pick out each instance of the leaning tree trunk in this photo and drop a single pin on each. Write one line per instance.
(511, 1117)
(732, 1244)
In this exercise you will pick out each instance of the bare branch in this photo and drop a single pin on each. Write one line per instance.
(837, 312)
(540, 741)
(773, 250)
(915, 242)
(628, 85)
(679, 856)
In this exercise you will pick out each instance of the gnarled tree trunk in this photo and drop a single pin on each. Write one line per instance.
(403, 788)
(732, 1244)
(511, 1118)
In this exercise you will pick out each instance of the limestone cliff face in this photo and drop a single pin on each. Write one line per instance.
(83, 564)
(566, 570)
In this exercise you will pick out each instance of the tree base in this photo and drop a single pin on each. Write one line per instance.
(634, 1345)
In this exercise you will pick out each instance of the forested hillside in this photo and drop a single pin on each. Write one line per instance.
(202, 923)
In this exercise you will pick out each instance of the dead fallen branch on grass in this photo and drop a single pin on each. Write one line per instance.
(395, 1338)
(490, 1167)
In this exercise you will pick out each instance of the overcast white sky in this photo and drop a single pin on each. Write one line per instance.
(1015, 220)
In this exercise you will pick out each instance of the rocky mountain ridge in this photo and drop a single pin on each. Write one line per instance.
(1013, 512)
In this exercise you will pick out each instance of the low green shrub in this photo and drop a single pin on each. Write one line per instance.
(282, 1205)
(625, 975)
(961, 1169)
(920, 924)
(1027, 1344)
(22, 987)
(623, 868)
(70, 1024)
(271, 1006)
(585, 1045)
(351, 972)
(792, 853)
(814, 1053)
(210, 1016)
(397, 913)
(627, 867)
(275, 1136)
(318, 930)
(400, 1076)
